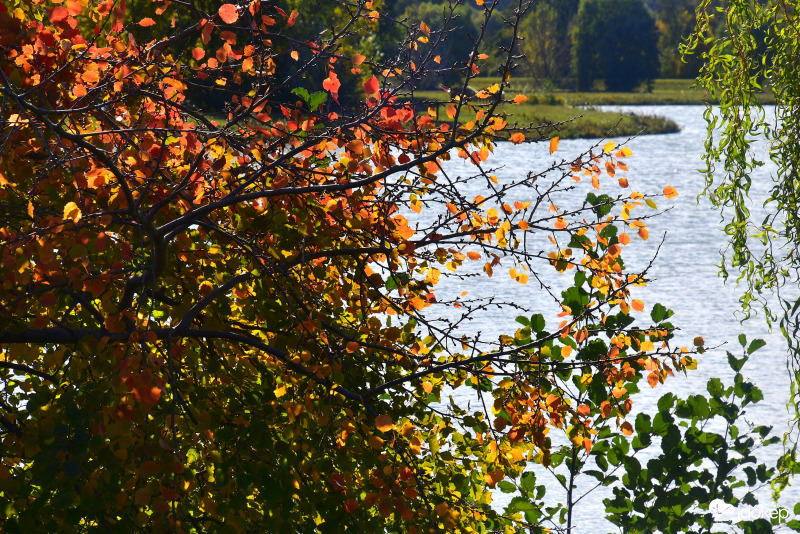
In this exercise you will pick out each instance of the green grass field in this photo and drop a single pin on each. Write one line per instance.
(567, 122)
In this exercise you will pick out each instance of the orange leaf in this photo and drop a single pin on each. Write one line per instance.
(147, 21)
(626, 428)
(358, 59)
(624, 238)
(638, 305)
(519, 99)
(473, 255)
(584, 410)
(371, 86)
(198, 53)
(74, 7)
(517, 138)
(229, 13)
(384, 423)
(670, 192)
(653, 379)
(623, 182)
(644, 234)
(554, 144)
(560, 223)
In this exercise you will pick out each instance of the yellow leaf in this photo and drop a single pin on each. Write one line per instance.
(493, 88)
(280, 391)
(626, 152)
(609, 147)
(72, 212)
(554, 144)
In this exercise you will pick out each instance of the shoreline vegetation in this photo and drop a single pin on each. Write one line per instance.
(572, 114)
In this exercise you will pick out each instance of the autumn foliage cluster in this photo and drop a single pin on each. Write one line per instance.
(219, 318)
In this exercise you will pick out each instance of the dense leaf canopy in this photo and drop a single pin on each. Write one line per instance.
(220, 319)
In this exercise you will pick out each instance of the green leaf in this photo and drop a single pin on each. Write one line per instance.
(660, 313)
(527, 481)
(506, 487)
(302, 92)
(537, 322)
(755, 345)
(317, 99)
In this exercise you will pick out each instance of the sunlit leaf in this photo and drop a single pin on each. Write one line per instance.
(229, 13)
(554, 144)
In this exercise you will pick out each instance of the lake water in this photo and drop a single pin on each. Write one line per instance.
(684, 280)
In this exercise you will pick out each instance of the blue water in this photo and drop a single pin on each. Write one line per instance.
(684, 279)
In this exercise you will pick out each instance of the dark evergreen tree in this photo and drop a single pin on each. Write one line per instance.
(614, 41)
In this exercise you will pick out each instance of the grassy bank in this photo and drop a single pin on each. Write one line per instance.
(663, 91)
(565, 121)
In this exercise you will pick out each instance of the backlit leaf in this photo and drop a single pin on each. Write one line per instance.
(229, 13)
(384, 423)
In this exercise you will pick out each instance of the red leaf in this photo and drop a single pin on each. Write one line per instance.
(371, 86)
(147, 21)
(58, 14)
(228, 13)
(198, 53)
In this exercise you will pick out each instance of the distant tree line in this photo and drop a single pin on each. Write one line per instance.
(582, 44)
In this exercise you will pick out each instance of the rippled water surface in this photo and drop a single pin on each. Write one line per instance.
(685, 280)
